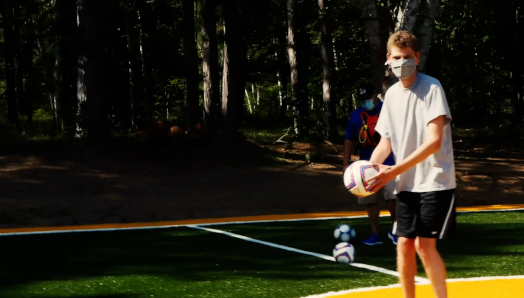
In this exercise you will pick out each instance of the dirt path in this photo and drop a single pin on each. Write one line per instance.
(202, 182)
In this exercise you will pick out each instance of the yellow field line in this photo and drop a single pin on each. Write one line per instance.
(278, 217)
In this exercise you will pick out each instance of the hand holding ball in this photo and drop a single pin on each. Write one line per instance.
(356, 175)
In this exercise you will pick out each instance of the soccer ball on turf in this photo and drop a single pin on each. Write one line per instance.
(356, 175)
(345, 233)
(344, 253)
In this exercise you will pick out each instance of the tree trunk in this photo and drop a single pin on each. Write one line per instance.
(283, 75)
(91, 79)
(137, 100)
(48, 72)
(297, 101)
(243, 74)
(65, 66)
(516, 64)
(146, 29)
(30, 84)
(210, 66)
(406, 15)
(428, 12)
(10, 80)
(19, 59)
(377, 32)
(191, 59)
(231, 73)
(330, 132)
(59, 84)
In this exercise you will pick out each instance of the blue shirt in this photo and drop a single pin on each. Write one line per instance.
(353, 131)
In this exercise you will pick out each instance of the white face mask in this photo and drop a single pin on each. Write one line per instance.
(403, 68)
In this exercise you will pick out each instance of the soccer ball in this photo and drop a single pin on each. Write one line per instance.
(356, 175)
(344, 253)
(345, 233)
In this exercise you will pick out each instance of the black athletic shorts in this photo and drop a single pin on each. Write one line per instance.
(428, 214)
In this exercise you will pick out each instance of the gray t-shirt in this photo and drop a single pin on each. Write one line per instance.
(404, 120)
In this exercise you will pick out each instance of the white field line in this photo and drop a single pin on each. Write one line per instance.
(369, 289)
(219, 224)
(325, 257)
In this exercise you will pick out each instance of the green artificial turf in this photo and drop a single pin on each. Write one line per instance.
(184, 262)
(486, 244)
(178, 262)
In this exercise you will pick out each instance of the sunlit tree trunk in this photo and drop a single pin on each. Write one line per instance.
(191, 59)
(299, 96)
(210, 66)
(283, 76)
(406, 15)
(231, 73)
(330, 115)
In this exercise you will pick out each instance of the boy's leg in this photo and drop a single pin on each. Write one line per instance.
(392, 207)
(406, 230)
(433, 264)
(391, 199)
(407, 265)
(373, 214)
(437, 221)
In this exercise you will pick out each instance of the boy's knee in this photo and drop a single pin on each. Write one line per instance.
(425, 246)
(405, 245)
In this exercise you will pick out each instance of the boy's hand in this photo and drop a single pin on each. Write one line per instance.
(385, 174)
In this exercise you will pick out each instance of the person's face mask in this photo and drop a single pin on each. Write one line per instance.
(368, 104)
(403, 68)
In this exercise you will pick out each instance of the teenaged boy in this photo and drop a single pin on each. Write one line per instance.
(415, 126)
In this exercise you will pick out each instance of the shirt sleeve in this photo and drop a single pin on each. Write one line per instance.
(383, 123)
(437, 105)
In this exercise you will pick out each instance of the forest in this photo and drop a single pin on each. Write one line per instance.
(218, 68)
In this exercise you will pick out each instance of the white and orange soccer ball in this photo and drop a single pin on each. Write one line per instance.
(356, 175)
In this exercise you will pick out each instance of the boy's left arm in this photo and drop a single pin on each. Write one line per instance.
(430, 146)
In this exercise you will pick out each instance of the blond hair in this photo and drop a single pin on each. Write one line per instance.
(401, 40)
